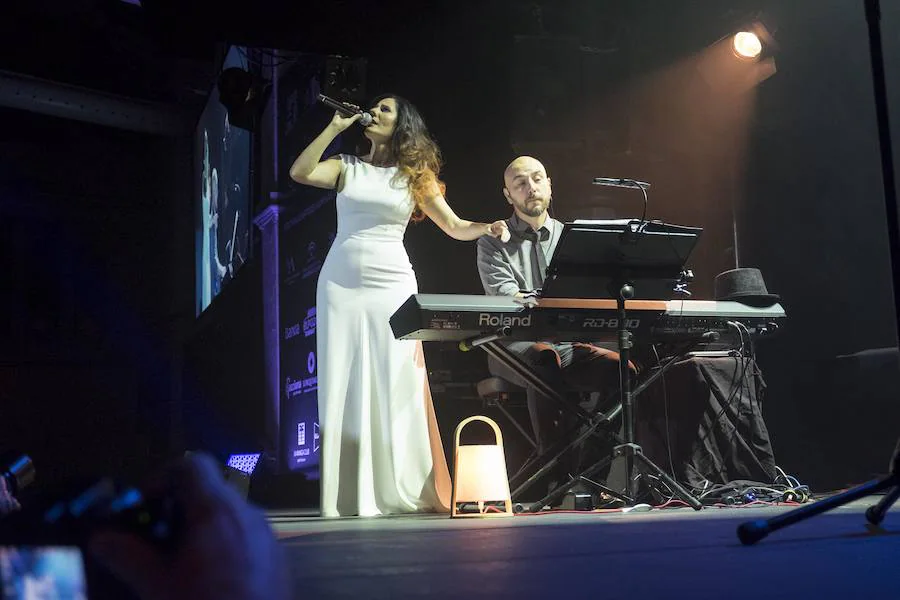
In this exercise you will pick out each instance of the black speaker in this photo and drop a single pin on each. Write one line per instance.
(244, 96)
(345, 79)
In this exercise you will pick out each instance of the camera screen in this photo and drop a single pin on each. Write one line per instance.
(41, 572)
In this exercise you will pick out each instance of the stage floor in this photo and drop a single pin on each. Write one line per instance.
(668, 553)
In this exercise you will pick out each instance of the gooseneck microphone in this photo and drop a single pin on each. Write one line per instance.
(347, 110)
(620, 182)
(627, 183)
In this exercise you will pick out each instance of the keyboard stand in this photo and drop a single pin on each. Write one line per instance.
(490, 345)
(600, 424)
(627, 497)
(632, 261)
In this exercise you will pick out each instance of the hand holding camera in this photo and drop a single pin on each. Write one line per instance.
(222, 549)
(185, 535)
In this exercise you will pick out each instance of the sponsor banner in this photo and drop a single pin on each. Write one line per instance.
(300, 434)
(306, 231)
(303, 250)
(297, 382)
(303, 328)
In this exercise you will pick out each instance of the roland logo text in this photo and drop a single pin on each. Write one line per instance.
(492, 320)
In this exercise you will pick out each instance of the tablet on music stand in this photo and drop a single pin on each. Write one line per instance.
(594, 259)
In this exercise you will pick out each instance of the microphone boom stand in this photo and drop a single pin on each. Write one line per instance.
(630, 450)
(753, 531)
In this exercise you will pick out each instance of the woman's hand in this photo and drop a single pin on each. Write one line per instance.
(340, 122)
(499, 229)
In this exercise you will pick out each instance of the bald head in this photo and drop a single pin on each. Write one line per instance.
(527, 187)
(522, 166)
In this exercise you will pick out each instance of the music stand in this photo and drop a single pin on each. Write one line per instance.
(626, 261)
(592, 257)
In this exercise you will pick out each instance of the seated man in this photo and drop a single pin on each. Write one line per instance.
(517, 267)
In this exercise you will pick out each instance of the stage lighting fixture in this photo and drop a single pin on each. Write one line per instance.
(245, 463)
(753, 42)
(239, 469)
(746, 44)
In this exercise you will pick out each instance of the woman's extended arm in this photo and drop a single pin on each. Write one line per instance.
(443, 216)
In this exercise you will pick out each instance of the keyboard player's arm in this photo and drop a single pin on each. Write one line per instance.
(496, 273)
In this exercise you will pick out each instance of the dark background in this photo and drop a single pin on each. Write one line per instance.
(97, 244)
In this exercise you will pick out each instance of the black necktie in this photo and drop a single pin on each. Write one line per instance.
(541, 260)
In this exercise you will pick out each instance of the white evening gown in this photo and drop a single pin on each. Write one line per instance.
(381, 449)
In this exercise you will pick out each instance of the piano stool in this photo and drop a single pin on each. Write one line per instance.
(495, 392)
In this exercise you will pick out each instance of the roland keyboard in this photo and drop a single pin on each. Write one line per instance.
(456, 317)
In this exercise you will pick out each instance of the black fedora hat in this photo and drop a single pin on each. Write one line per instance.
(744, 285)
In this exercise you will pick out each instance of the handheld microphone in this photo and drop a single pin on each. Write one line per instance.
(347, 110)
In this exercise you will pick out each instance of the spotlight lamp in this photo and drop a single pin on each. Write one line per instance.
(746, 45)
(752, 42)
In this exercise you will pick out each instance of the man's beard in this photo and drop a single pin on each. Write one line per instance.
(535, 209)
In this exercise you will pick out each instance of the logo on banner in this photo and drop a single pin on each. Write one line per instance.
(315, 437)
(311, 384)
(293, 388)
(292, 104)
(309, 323)
(291, 274)
(292, 331)
(313, 263)
(301, 441)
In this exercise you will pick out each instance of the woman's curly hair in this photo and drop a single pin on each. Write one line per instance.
(417, 155)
